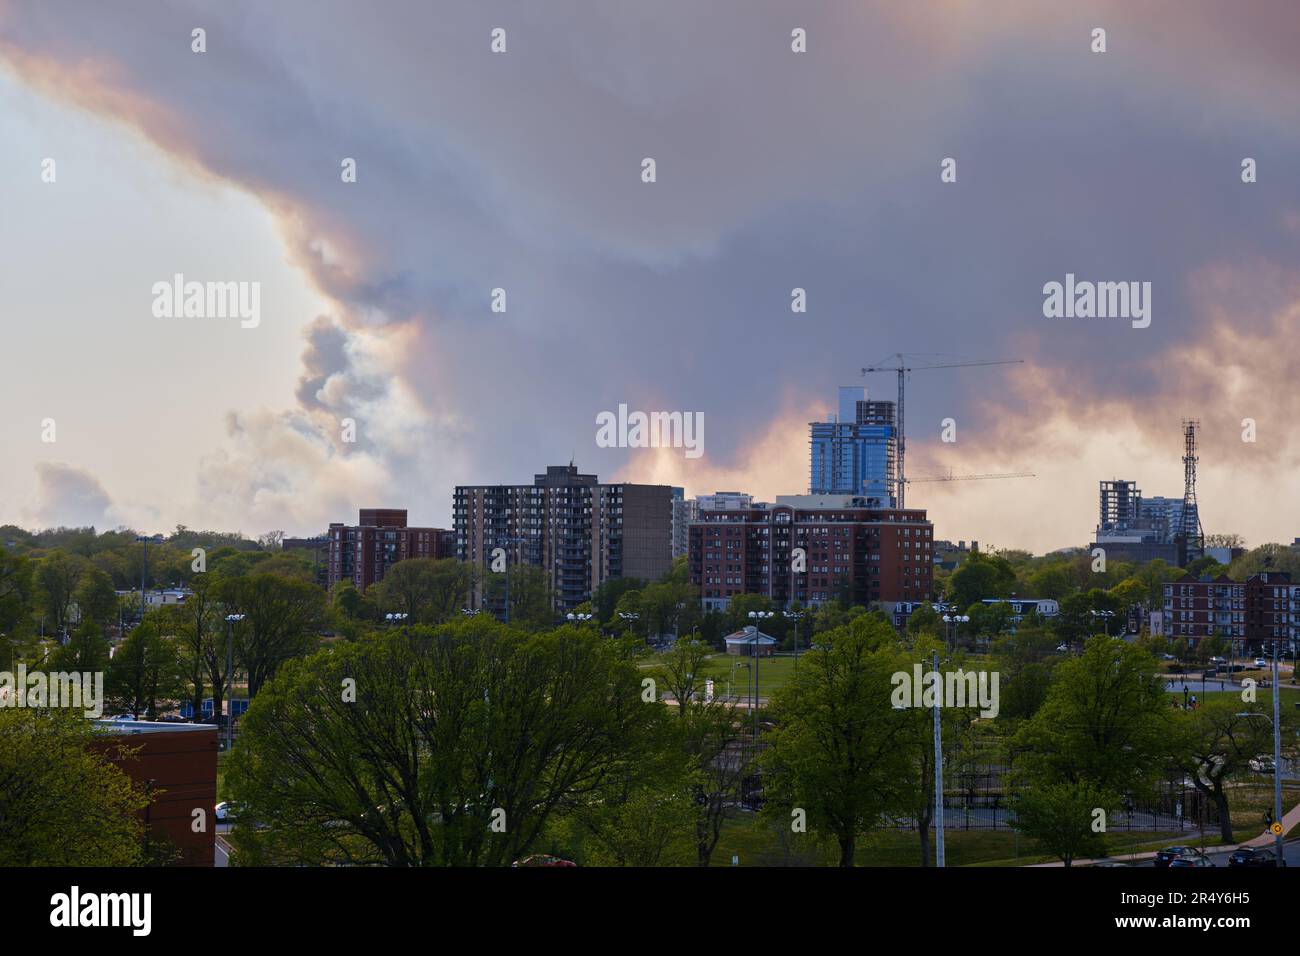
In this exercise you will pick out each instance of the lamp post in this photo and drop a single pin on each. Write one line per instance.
(1276, 721)
(757, 616)
(231, 620)
(795, 616)
(1105, 619)
(938, 776)
(395, 618)
(953, 620)
(501, 543)
(577, 618)
(144, 570)
(631, 617)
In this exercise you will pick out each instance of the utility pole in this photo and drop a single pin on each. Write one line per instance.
(231, 619)
(938, 777)
(1277, 763)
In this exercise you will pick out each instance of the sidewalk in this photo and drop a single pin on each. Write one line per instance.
(1289, 822)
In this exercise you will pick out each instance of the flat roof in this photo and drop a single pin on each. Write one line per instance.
(125, 725)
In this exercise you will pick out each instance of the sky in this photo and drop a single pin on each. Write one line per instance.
(523, 171)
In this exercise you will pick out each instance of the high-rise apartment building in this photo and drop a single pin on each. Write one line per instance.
(854, 454)
(363, 553)
(580, 531)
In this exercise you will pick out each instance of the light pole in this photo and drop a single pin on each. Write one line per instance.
(1105, 619)
(795, 616)
(938, 775)
(231, 620)
(144, 570)
(631, 617)
(395, 618)
(501, 543)
(757, 616)
(577, 618)
(953, 620)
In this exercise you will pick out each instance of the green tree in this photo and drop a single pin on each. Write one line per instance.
(62, 803)
(981, 576)
(447, 726)
(96, 598)
(835, 751)
(1106, 720)
(87, 651)
(57, 578)
(145, 670)
(532, 600)
(1063, 818)
(426, 590)
(282, 620)
(1216, 742)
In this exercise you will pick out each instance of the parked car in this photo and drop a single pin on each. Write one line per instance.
(1262, 763)
(1252, 856)
(1168, 657)
(1218, 660)
(1198, 860)
(227, 812)
(1169, 854)
(1260, 662)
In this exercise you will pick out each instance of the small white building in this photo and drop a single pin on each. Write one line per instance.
(749, 641)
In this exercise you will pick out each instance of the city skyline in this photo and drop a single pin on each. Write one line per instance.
(522, 171)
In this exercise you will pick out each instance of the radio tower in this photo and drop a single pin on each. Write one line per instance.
(1190, 530)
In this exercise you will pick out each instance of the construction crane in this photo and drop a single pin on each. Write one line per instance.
(952, 477)
(902, 368)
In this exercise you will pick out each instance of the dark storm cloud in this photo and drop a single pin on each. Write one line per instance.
(776, 170)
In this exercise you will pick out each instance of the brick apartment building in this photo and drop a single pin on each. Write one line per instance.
(867, 554)
(363, 553)
(580, 531)
(1253, 613)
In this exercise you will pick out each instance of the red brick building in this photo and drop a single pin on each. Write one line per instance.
(363, 553)
(177, 765)
(864, 554)
(1252, 614)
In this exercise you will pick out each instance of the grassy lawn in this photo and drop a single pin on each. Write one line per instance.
(758, 844)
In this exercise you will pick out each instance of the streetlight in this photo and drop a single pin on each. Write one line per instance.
(501, 543)
(1105, 617)
(231, 620)
(757, 616)
(953, 620)
(631, 617)
(575, 618)
(395, 618)
(144, 570)
(1277, 760)
(470, 612)
(795, 616)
